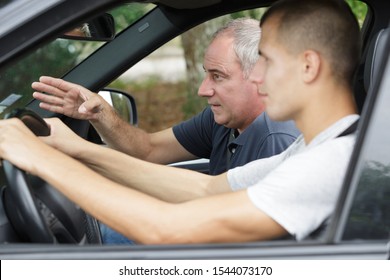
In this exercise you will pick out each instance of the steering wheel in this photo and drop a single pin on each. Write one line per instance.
(38, 212)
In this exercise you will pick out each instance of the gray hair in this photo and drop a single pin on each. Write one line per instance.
(246, 36)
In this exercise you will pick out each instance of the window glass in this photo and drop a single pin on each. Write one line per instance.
(54, 59)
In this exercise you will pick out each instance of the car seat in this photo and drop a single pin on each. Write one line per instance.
(375, 59)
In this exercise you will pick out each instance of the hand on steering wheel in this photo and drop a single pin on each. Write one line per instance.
(40, 214)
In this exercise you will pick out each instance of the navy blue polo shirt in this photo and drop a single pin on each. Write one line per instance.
(204, 138)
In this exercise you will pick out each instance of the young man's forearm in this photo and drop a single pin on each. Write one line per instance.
(178, 184)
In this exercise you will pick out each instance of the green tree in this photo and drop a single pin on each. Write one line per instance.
(127, 14)
(359, 9)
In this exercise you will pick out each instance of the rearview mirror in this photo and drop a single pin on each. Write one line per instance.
(100, 28)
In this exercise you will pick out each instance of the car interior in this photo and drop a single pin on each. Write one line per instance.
(45, 216)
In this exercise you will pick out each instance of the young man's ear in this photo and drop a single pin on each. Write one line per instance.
(311, 64)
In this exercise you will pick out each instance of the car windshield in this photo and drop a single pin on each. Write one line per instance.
(55, 59)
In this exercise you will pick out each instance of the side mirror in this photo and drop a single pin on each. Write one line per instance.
(100, 28)
(123, 103)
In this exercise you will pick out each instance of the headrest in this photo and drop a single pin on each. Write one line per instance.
(374, 57)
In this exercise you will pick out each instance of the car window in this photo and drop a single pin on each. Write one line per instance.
(55, 59)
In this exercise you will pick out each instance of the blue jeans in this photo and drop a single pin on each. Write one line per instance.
(109, 236)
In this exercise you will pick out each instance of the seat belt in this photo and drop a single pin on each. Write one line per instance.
(230, 149)
(349, 130)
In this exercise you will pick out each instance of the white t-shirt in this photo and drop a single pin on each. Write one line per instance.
(299, 187)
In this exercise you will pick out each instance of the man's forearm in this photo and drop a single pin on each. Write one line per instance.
(220, 218)
(120, 135)
(106, 200)
(177, 184)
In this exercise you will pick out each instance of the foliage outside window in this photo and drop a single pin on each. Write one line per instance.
(54, 59)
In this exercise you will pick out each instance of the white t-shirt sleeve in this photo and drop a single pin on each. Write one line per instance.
(251, 173)
(302, 192)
